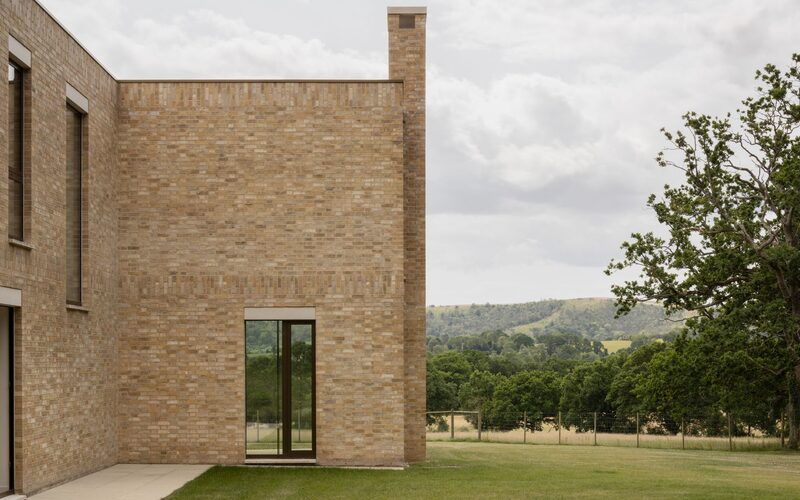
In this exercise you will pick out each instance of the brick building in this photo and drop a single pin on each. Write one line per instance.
(208, 271)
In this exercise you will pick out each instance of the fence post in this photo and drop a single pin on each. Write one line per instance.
(559, 427)
(479, 424)
(452, 424)
(258, 434)
(683, 435)
(783, 442)
(525, 427)
(730, 432)
(595, 428)
(637, 429)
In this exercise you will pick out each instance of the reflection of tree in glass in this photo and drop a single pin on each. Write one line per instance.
(262, 371)
(264, 365)
(302, 366)
(263, 388)
(301, 370)
(262, 336)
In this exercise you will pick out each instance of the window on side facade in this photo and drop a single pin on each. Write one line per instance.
(16, 129)
(74, 226)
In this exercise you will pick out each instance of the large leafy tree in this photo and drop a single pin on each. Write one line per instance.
(586, 389)
(442, 394)
(622, 394)
(731, 252)
(533, 391)
(696, 377)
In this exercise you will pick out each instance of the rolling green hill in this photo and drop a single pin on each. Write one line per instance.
(593, 318)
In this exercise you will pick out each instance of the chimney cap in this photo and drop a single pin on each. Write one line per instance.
(407, 10)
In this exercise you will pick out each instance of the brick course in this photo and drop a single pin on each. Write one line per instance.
(203, 198)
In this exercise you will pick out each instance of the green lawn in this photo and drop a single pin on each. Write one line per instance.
(483, 470)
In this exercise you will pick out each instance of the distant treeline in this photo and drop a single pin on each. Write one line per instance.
(503, 374)
(546, 345)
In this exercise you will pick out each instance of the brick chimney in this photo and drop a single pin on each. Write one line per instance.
(407, 63)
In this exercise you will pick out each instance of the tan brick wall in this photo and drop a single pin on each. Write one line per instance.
(202, 199)
(66, 382)
(407, 62)
(259, 194)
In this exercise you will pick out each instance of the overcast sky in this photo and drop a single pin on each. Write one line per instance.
(543, 117)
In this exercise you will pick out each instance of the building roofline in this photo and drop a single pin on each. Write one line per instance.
(253, 80)
(407, 10)
(74, 38)
(391, 10)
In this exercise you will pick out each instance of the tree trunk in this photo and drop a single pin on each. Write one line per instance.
(793, 405)
(793, 408)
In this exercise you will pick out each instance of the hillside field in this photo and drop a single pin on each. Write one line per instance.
(592, 318)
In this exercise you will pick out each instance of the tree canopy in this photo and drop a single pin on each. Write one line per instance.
(730, 253)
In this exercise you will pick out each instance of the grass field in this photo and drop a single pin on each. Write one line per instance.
(613, 346)
(488, 470)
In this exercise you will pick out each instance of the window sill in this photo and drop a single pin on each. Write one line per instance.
(20, 244)
(73, 307)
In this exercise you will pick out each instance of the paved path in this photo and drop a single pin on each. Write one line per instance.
(126, 482)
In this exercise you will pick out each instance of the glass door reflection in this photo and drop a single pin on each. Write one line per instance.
(279, 388)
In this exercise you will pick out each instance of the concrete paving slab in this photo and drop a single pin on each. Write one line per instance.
(126, 482)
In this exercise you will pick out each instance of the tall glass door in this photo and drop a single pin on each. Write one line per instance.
(279, 388)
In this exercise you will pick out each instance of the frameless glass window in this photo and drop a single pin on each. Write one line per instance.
(16, 84)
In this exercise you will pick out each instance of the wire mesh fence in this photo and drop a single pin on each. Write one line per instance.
(646, 430)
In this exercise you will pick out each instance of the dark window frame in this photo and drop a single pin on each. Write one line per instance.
(20, 73)
(286, 453)
(12, 319)
(81, 211)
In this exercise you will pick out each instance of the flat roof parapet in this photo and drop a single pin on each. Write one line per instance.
(255, 80)
(407, 10)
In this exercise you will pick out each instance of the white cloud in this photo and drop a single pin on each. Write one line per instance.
(202, 43)
(543, 116)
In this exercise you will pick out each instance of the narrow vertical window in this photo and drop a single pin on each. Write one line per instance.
(16, 82)
(74, 203)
